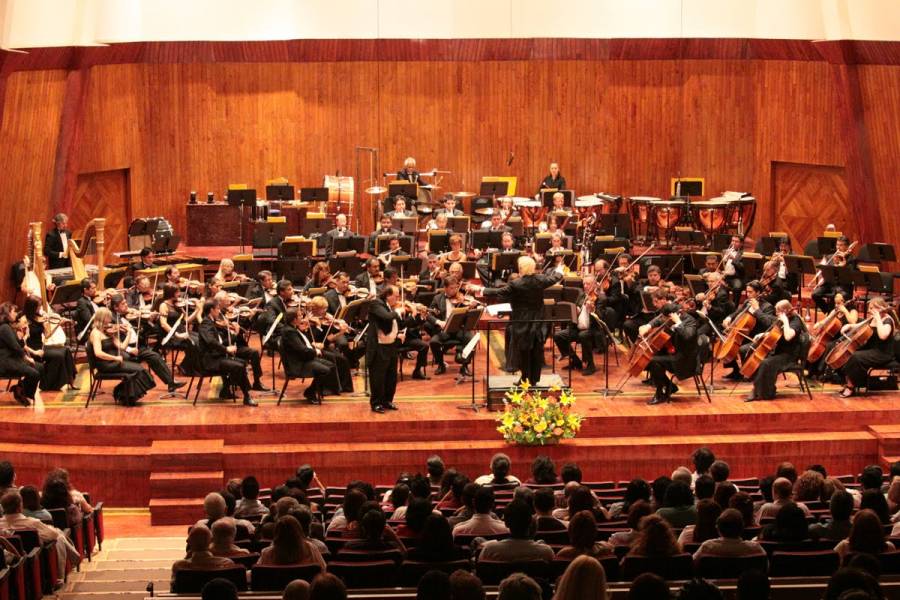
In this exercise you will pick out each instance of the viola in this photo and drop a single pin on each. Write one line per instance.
(854, 339)
(762, 348)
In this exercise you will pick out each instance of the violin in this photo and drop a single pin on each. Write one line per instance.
(737, 331)
(761, 348)
(852, 340)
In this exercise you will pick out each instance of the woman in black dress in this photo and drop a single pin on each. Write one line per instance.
(14, 360)
(47, 341)
(107, 350)
(877, 352)
(554, 180)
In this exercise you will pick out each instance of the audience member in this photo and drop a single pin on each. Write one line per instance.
(55, 495)
(753, 584)
(544, 501)
(214, 507)
(703, 458)
(724, 492)
(866, 535)
(346, 520)
(525, 494)
(222, 544)
(830, 486)
(719, 471)
(782, 493)
(583, 538)
(704, 488)
(465, 512)
(637, 489)
(326, 586)
(808, 487)
(434, 466)
(219, 589)
(452, 498)
(198, 555)
(659, 487)
(290, 546)
(434, 585)
(846, 579)
(875, 501)
(893, 495)
(499, 475)
(417, 514)
(397, 501)
(436, 543)
(699, 589)
(636, 512)
(649, 586)
(743, 503)
(11, 503)
(584, 579)
(729, 543)
(305, 517)
(786, 470)
(419, 487)
(283, 506)
(376, 537)
(519, 586)
(838, 527)
(520, 546)
(31, 504)
(705, 527)
(543, 471)
(298, 589)
(465, 585)
(249, 505)
(683, 474)
(482, 522)
(679, 509)
(789, 526)
(655, 538)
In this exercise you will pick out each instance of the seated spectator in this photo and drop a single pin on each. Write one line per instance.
(214, 507)
(353, 501)
(326, 586)
(304, 516)
(219, 589)
(398, 499)
(789, 526)
(11, 503)
(290, 546)
(465, 585)
(753, 584)
(655, 538)
(417, 514)
(519, 586)
(743, 503)
(636, 512)
(436, 543)
(482, 522)
(198, 555)
(419, 487)
(583, 538)
(544, 501)
(659, 487)
(582, 498)
(434, 466)
(298, 589)
(637, 489)
(724, 492)
(679, 509)
(704, 488)
(434, 585)
(808, 487)
(720, 471)
(830, 486)
(231, 504)
(699, 589)
(249, 506)
(543, 471)
(782, 493)
(729, 543)
(376, 537)
(233, 487)
(525, 494)
(7, 478)
(703, 458)
(838, 527)
(223, 532)
(786, 470)
(55, 495)
(765, 489)
(866, 535)
(499, 475)
(562, 500)
(452, 490)
(875, 501)
(309, 481)
(649, 586)
(705, 527)
(78, 498)
(31, 503)
(871, 478)
(283, 506)
(683, 474)
(520, 546)
(893, 496)
(584, 579)
(846, 580)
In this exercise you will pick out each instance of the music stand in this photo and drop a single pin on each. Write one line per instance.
(483, 240)
(602, 244)
(460, 224)
(241, 197)
(316, 194)
(355, 243)
(802, 265)
(821, 246)
(721, 241)
(876, 253)
(468, 350)
(112, 277)
(290, 248)
(438, 241)
(66, 293)
(268, 235)
(696, 284)
(351, 265)
(559, 312)
(615, 224)
(407, 225)
(314, 226)
(282, 192)
(493, 188)
(408, 190)
(296, 271)
(690, 237)
(356, 310)
(573, 281)
(753, 265)
(505, 261)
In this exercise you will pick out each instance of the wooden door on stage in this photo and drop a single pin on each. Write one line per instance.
(104, 194)
(806, 198)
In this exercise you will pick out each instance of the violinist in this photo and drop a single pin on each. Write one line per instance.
(641, 316)
(680, 355)
(431, 272)
(764, 314)
(371, 278)
(85, 309)
(226, 272)
(411, 342)
(733, 267)
(301, 356)
(264, 288)
(173, 275)
(326, 332)
(441, 308)
(713, 304)
(585, 330)
(878, 351)
(14, 360)
(386, 228)
(774, 285)
(825, 291)
(554, 180)
(217, 356)
(710, 265)
(46, 342)
(338, 295)
(134, 347)
(321, 275)
(400, 209)
(107, 345)
(624, 294)
(141, 295)
(784, 354)
(174, 310)
(275, 307)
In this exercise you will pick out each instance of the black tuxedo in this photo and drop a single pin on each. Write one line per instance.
(362, 281)
(274, 307)
(438, 338)
(331, 235)
(379, 232)
(683, 362)
(589, 338)
(214, 357)
(84, 312)
(301, 360)
(53, 247)
(382, 358)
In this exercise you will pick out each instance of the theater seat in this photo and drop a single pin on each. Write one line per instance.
(191, 581)
(492, 572)
(411, 571)
(730, 567)
(378, 573)
(679, 566)
(804, 564)
(274, 578)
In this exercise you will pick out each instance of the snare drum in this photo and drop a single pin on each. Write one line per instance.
(665, 215)
(710, 215)
(639, 211)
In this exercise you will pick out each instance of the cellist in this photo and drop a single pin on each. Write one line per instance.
(680, 357)
(842, 314)
(759, 308)
(876, 352)
(782, 355)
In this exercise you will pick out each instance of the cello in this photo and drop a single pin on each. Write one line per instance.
(828, 329)
(648, 346)
(854, 339)
(738, 330)
(762, 347)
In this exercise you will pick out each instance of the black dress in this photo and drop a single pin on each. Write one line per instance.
(59, 364)
(876, 353)
(132, 388)
(12, 361)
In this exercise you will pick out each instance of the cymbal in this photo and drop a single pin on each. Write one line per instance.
(376, 189)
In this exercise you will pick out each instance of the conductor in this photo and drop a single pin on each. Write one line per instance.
(526, 337)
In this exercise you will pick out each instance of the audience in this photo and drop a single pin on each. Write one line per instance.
(753, 585)
(637, 489)
(499, 475)
(655, 538)
(729, 543)
(376, 537)
(809, 486)
(290, 546)
(789, 526)
(875, 501)
(743, 503)
(866, 535)
(465, 585)
(434, 585)
(583, 538)
(326, 586)
(649, 586)
(705, 528)
(544, 502)
(543, 471)
(11, 503)
(584, 579)
(482, 522)
(782, 492)
(31, 504)
(249, 506)
(520, 546)
(219, 589)
(436, 544)
(434, 466)
(636, 512)
(679, 509)
(198, 555)
(519, 586)
(703, 458)
(699, 589)
(417, 514)
(298, 589)
(838, 527)
(222, 544)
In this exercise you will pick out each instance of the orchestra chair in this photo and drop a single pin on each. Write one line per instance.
(75, 534)
(679, 566)
(191, 581)
(890, 369)
(198, 374)
(245, 560)
(45, 571)
(730, 567)
(798, 367)
(96, 377)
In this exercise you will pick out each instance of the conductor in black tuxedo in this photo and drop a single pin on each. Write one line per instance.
(219, 358)
(301, 357)
(386, 318)
(56, 243)
(526, 295)
(409, 172)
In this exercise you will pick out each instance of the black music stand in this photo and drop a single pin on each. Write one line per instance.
(351, 265)
(753, 266)
(482, 240)
(408, 190)
(505, 261)
(516, 227)
(573, 281)
(112, 277)
(295, 249)
(296, 271)
(690, 237)
(252, 267)
(66, 294)
(615, 224)
(493, 188)
(698, 259)
(602, 244)
(876, 253)
(801, 265)
(721, 241)
(559, 312)
(314, 227)
(767, 245)
(875, 281)
(241, 197)
(468, 267)
(438, 241)
(346, 244)
(283, 192)
(407, 225)
(268, 235)
(316, 194)
(460, 223)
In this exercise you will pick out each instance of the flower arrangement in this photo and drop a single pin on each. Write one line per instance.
(532, 417)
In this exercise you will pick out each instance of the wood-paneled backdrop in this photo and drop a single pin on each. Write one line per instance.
(623, 126)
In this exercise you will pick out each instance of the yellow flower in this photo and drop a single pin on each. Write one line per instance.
(543, 403)
(508, 419)
(525, 386)
(540, 426)
(515, 397)
(560, 422)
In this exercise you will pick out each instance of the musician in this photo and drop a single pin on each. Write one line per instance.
(320, 277)
(641, 316)
(756, 305)
(386, 228)
(340, 231)
(14, 360)
(710, 265)
(141, 295)
(733, 267)
(56, 243)
(85, 309)
(556, 248)
(393, 251)
(790, 278)
(784, 354)
(412, 342)
(490, 277)
(825, 291)
(371, 278)
(338, 295)
(496, 223)
(298, 352)
(845, 314)
(526, 295)
(408, 172)
(431, 272)
(449, 209)
(107, 343)
(713, 305)
(678, 358)
(233, 333)
(624, 294)
(329, 336)
(391, 277)
(264, 288)
(216, 357)
(439, 222)
(146, 259)
(441, 307)
(386, 316)
(878, 351)
(171, 309)
(553, 181)
(400, 210)
(226, 272)
(507, 209)
(456, 253)
(46, 342)
(31, 286)
(585, 330)
(774, 285)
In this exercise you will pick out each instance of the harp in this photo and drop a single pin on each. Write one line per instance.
(36, 258)
(93, 232)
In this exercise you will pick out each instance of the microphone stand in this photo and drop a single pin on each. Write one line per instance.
(606, 391)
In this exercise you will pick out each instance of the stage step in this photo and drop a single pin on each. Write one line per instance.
(186, 455)
(183, 472)
(181, 484)
(176, 511)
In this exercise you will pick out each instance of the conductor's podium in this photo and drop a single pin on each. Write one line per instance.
(497, 385)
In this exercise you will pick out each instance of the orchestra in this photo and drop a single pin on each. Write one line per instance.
(743, 310)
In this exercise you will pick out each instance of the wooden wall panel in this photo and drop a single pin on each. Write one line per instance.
(29, 130)
(809, 197)
(103, 194)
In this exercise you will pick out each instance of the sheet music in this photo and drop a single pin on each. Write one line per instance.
(169, 335)
(496, 309)
(272, 328)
